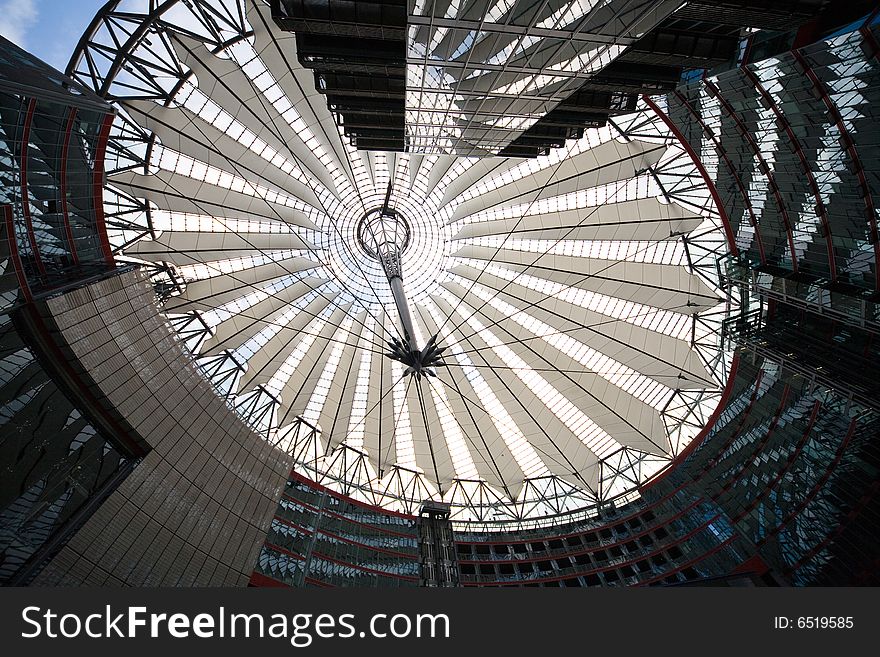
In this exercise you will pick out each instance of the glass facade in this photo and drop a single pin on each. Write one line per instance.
(57, 465)
(52, 141)
(790, 144)
(321, 538)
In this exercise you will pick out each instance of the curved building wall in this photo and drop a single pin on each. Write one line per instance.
(58, 458)
(197, 508)
(321, 538)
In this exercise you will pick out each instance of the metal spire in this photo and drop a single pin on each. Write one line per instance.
(384, 235)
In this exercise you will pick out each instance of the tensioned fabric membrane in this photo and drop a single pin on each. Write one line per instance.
(575, 294)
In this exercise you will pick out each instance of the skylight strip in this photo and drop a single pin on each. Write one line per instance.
(616, 373)
(184, 165)
(316, 402)
(585, 63)
(529, 167)
(307, 338)
(808, 219)
(355, 434)
(220, 314)
(211, 113)
(522, 451)
(663, 252)
(404, 447)
(258, 341)
(633, 189)
(187, 222)
(458, 169)
(419, 182)
(588, 432)
(462, 462)
(666, 322)
(243, 53)
(205, 270)
(381, 170)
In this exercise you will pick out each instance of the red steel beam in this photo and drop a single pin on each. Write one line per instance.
(847, 139)
(731, 241)
(753, 219)
(98, 188)
(262, 581)
(765, 168)
(805, 166)
(868, 36)
(710, 424)
(65, 152)
(788, 463)
(23, 169)
(366, 569)
(574, 551)
(688, 564)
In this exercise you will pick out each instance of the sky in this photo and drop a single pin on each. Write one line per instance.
(50, 29)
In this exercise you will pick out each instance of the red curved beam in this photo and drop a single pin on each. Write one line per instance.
(847, 139)
(805, 166)
(753, 220)
(731, 241)
(765, 168)
(98, 188)
(65, 152)
(260, 580)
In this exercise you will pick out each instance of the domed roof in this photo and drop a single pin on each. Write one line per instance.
(575, 296)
